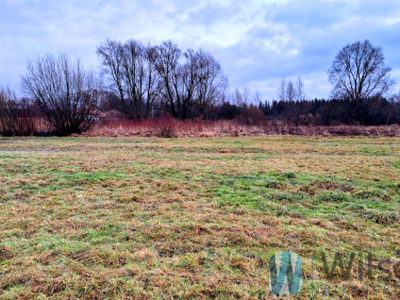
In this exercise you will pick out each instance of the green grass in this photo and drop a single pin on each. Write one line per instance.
(192, 218)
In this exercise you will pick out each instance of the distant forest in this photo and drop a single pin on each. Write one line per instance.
(369, 111)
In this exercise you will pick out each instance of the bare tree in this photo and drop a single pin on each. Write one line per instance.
(67, 95)
(290, 91)
(152, 81)
(282, 90)
(299, 90)
(133, 73)
(111, 53)
(188, 82)
(236, 98)
(299, 96)
(358, 71)
(140, 77)
(212, 82)
(167, 65)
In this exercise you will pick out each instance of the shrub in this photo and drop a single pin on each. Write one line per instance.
(17, 118)
(67, 95)
(167, 128)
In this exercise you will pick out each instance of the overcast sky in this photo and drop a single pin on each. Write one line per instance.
(257, 42)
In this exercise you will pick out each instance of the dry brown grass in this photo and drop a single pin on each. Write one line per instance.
(172, 128)
(201, 128)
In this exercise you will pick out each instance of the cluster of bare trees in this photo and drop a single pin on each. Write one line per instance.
(145, 80)
(132, 74)
(149, 78)
(289, 91)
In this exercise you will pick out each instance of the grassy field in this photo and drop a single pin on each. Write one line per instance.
(195, 218)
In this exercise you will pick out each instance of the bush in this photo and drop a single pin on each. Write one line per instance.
(167, 128)
(67, 95)
(17, 118)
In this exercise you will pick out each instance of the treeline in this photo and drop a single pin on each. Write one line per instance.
(141, 81)
(369, 111)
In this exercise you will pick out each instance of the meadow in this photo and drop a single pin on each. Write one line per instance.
(134, 217)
